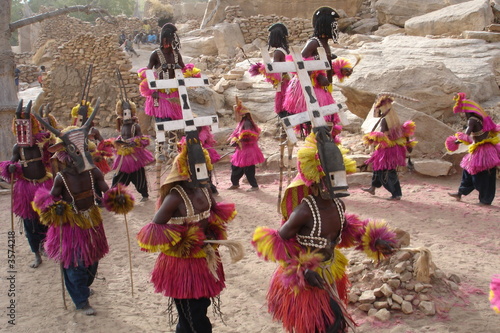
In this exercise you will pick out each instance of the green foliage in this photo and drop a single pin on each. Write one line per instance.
(16, 13)
(114, 7)
(164, 12)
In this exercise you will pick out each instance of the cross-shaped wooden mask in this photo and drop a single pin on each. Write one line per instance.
(314, 113)
(188, 123)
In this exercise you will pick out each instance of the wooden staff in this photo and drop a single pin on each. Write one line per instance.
(12, 202)
(61, 268)
(282, 166)
(129, 256)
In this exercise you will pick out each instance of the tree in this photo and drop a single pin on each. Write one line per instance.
(114, 7)
(8, 90)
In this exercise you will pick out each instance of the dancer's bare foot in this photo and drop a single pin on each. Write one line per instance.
(88, 310)
(37, 261)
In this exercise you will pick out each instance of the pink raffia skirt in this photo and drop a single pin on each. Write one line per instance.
(294, 100)
(24, 192)
(168, 107)
(133, 162)
(71, 245)
(306, 311)
(186, 277)
(249, 155)
(388, 158)
(279, 98)
(485, 156)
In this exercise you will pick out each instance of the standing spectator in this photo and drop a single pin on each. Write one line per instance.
(138, 40)
(122, 38)
(128, 46)
(17, 72)
(41, 74)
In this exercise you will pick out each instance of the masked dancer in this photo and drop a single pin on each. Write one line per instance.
(75, 237)
(28, 169)
(483, 158)
(187, 230)
(308, 291)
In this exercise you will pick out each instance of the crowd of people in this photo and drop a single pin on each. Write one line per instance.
(60, 202)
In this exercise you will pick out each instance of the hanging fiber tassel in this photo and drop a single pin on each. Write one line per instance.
(424, 266)
(236, 250)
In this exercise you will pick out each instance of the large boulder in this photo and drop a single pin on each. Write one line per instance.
(228, 37)
(430, 82)
(201, 45)
(452, 20)
(430, 70)
(397, 12)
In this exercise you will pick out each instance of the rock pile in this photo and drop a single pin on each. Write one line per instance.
(400, 285)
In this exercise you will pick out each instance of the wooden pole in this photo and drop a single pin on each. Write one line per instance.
(129, 256)
(12, 202)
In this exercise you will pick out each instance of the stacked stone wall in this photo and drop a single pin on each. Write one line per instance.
(64, 28)
(24, 58)
(255, 27)
(29, 73)
(63, 84)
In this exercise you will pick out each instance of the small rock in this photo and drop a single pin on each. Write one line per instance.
(354, 270)
(377, 292)
(394, 283)
(381, 305)
(402, 256)
(398, 299)
(407, 307)
(365, 307)
(352, 298)
(428, 308)
(400, 267)
(395, 306)
(453, 285)
(383, 315)
(419, 287)
(367, 297)
(386, 290)
(410, 286)
(406, 276)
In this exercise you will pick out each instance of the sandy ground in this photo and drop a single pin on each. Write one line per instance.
(464, 239)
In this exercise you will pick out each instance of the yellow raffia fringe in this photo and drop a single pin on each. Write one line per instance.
(337, 267)
(47, 176)
(74, 110)
(264, 243)
(51, 218)
(494, 141)
(308, 159)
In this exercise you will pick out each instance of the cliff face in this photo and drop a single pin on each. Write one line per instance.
(287, 8)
